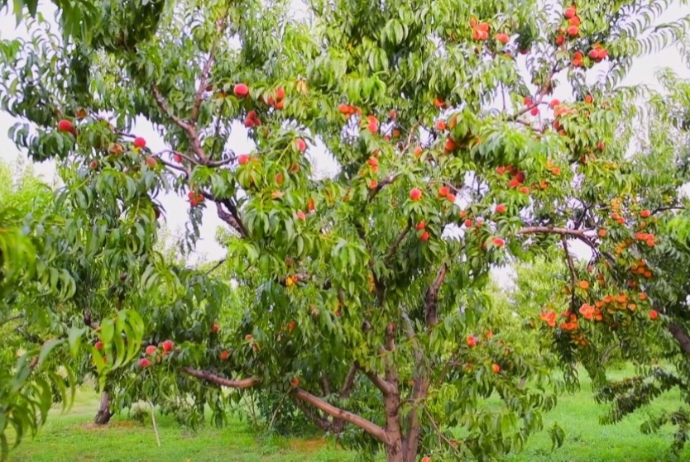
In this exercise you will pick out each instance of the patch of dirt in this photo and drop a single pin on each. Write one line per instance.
(307, 445)
(91, 426)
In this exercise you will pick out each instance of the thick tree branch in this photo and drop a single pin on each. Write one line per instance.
(431, 298)
(681, 337)
(335, 412)
(230, 220)
(378, 381)
(221, 381)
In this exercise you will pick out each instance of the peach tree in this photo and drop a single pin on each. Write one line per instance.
(451, 156)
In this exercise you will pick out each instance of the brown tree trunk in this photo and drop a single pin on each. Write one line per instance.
(395, 449)
(103, 415)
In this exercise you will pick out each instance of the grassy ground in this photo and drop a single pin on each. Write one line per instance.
(73, 438)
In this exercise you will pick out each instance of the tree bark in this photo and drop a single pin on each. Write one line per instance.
(335, 412)
(103, 415)
(395, 451)
(681, 337)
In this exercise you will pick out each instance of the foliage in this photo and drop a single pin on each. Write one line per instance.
(367, 287)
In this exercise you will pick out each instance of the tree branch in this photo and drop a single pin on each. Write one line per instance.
(431, 299)
(349, 382)
(216, 266)
(319, 421)
(573, 276)
(9, 320)
(366, 425)
(378, 381)
(681, 337)
(386, 181)
(188, 128)
(230, 220)
(221, 381)
(203, 79)
(391, 252)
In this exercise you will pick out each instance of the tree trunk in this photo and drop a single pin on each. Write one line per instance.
(103, 415)
(395, 450)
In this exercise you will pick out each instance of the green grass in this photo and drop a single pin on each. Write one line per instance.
(73, 438)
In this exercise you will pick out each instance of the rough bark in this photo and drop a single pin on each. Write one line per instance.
(395, 450)
(103, 415)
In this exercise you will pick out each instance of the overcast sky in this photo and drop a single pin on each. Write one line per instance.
(176, 208)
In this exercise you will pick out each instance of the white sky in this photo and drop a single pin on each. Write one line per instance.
(176, 208)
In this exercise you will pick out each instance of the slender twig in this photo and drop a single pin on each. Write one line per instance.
(391, 252)
(203, 79)
(216, 266)
(438, 430)
(13, 318)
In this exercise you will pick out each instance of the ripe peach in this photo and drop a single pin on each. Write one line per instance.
(241, 90)
(65, 126)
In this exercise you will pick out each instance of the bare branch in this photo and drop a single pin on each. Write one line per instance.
(366, 425)
(221, 381)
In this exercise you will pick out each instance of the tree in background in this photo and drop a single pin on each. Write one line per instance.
(453, 158)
